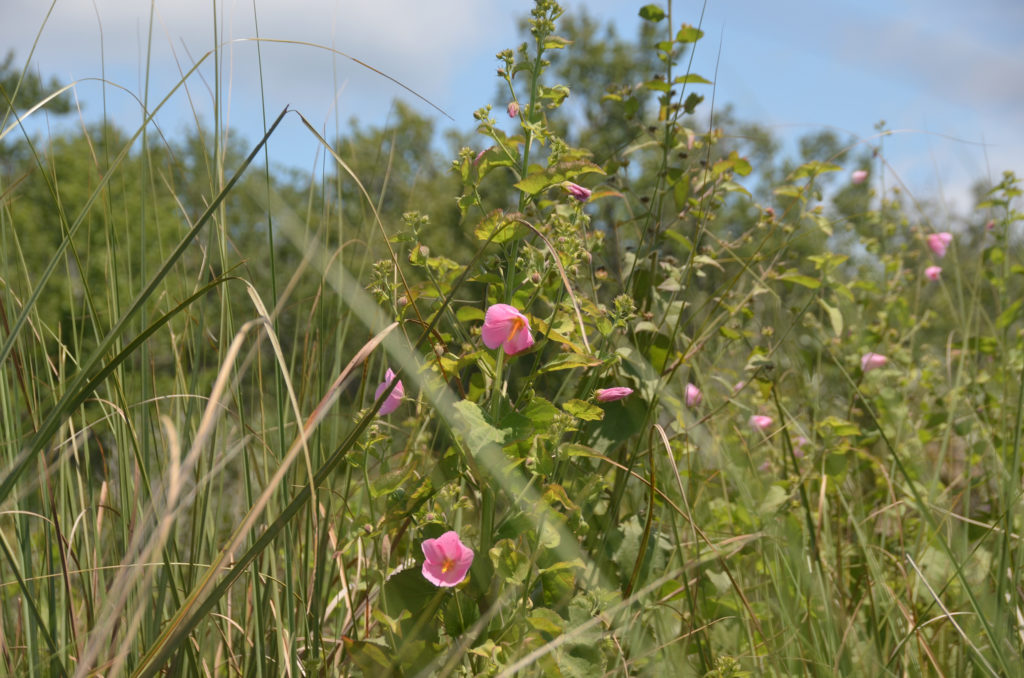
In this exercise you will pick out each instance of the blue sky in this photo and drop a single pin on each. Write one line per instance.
(947, 76)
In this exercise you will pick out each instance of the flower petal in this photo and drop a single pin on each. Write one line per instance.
(520, 341)
(431, 551)
(497, 323)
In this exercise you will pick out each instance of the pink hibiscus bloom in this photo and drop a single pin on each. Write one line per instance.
(506, 327)
(447, 559)
(938, 242)
(933, 272)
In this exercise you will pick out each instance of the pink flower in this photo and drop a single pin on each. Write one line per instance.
(693, 396)
(798, 447)
(513, 109)
(938, 242)
(933, 272)
(447, 559)
(394, 398)
(990, 225)
(607, 395)
(761, 422)
(507, 327)
(739, 386)
(871, 361)
(577, 191)
(858, 176)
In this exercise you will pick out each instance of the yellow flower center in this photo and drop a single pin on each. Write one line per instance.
(518, 324)
(447, 565)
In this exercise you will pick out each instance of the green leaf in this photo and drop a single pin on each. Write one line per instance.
(556, 42)
(729, 333)
(679, 238)
(389, 482)
(733, 163)
(1007, 317)
(836, 463)
(794, 276)
(546, 621)
(556, 493)
(534, 183)
(568, 361)
(657, 85)
(689, 33)
(574, 564)
(835, 317)
(652, 13)
(475, 429)
(814, 168)
(374, 659)
(509, 563)
(775, 498)
(789, 192)
(406, 590)
(498, 228)
(468, 313)
(691, 78)
(413, 601)
(628, 548)
(839, 427)
(540, 412)
(459, 614)
(583, 410)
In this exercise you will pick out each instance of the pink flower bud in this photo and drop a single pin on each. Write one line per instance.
(761, 422)
(693, 396)
(872, 361)
(513, 109)
(858, 176)
(933, 272)
(607, 395)
(990, 225)
(394, 398)
(577, 191)
(938, 242)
